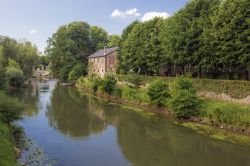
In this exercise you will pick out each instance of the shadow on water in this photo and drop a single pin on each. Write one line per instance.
(81, 130)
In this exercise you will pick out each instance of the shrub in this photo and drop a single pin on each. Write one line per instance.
(135, 80)
(15, 77)
(3, 79)
(184, 101)
(118, 92)
(183, 83)
(77, 72)
(96, 82)
(10, 109)
(64, 72)
(158, 92)
(108, 83)
(185, 104)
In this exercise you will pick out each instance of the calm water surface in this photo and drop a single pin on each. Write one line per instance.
(79, 130)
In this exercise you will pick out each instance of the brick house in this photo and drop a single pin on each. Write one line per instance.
(103, 61)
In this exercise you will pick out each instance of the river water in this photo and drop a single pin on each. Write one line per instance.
(78, 130)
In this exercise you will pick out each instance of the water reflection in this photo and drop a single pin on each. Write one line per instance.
(69, 113)
(141, 140)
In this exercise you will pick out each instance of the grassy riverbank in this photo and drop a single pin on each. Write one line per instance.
(7, 153)
(10, 134)
(230, 116)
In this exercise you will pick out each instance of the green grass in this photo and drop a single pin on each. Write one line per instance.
(134, 94)
(227, 113)
(7, 153)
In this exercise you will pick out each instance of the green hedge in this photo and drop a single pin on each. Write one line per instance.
(234, 88)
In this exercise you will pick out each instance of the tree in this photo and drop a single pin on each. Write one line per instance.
(122, 67)
(70, 45)
(114, 41)
(23, 52)
(229, 36)
(99, 38)
(182, 34)
(14, 74)
(141, 50)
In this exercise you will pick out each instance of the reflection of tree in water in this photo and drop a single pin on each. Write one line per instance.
(72, 114)
(147, 142)
(30, 98)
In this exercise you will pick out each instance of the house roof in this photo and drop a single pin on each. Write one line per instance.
(102, 53)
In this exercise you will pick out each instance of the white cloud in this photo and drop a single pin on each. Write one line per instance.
(33, 31)
(123, 14)
(150, 15)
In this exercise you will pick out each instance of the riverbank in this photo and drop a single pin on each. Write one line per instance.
(10, 134)
(7, 150)
(223, 115)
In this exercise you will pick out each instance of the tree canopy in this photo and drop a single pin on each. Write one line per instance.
(206, 36)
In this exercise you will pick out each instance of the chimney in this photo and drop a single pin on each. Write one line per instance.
(104, 50)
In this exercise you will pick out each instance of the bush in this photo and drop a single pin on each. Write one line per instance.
(184, 101)
(96, 82)
(64, 72)
(183, 83)
(15, 77)
(185, 104)
(10, 109)
(77, 72)
(135, 80)
(3, 79)
(108, 83)
(158, 92)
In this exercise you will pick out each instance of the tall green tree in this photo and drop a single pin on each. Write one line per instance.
(141, 50)
(99, 38)
(114, 41)
(228, 37)
(70, 45)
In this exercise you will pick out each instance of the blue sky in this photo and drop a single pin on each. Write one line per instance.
(36, 20)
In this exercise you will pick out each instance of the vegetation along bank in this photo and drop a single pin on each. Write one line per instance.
(178, 97)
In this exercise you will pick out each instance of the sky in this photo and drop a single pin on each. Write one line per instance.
(37, 20)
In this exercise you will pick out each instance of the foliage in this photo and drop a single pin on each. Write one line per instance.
(134, 79)
(158, 92)
(233, 88)
(227, 113)
(72, 44)
(96, 82)
(114, 41)
(7, 153)
(23, 52)
(99, 38)
(184, 101)
(77, 72)
(185, 104)
(64, 73)
(69, 46)
(207, 38)
(3, 79)
(10, 109)
(14, 74)
(108, 83)
(142, 41)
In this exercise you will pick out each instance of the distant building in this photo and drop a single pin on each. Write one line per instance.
(103, 61)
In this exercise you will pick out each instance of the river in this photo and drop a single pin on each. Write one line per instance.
(77, 130)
